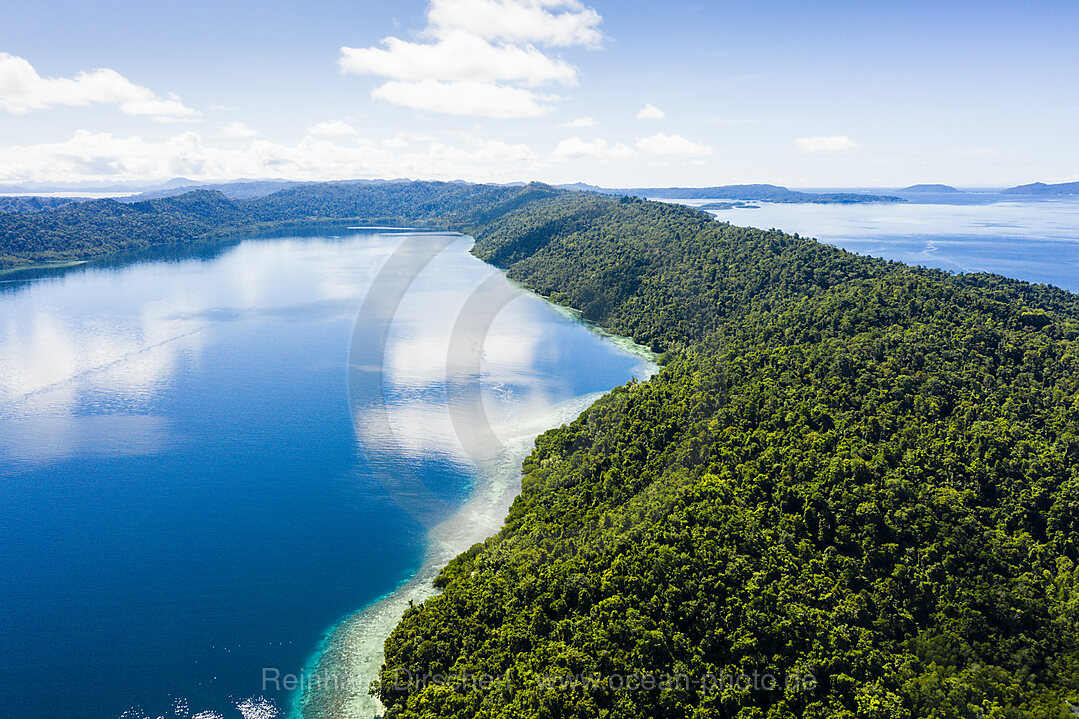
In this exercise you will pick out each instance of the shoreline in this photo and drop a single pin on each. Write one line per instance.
(350, 656)
(41, 266)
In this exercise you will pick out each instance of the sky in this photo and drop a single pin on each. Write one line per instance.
(620, 93)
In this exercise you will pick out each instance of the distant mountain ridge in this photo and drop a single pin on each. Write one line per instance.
(930, 188)
(758, 193)
(33, 204)
(239, 190)
(1040, 188)
(80, 231)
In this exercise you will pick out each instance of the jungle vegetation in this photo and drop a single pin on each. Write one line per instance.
(100, 228)
(848, 469)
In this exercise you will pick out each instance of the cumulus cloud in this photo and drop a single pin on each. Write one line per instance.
(586, 121)
(479, 58)
(106, 157)
(456, 57)
(664, 144)
(464, 98)
(834, 143)
(545, 22)
(22, 89)
(575, 148)
(237, 129)
(332, 128)
(650, 112)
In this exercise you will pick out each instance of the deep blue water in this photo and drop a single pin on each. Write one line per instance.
(1033, 240)
(185, 496)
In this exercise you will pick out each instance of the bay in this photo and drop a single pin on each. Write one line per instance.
(203, 475)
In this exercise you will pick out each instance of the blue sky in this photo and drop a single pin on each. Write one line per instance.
(616, 93)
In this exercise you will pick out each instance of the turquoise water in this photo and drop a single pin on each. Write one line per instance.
(205, 464)
(1034, 240)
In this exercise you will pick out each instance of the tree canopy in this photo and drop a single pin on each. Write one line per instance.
(849, 469)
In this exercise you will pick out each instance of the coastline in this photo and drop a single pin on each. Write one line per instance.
(352, 654)
(340, 672)
(41, 266)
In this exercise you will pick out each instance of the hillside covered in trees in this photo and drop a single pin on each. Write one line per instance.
(849, 470)
(87, 230)
(20, 203)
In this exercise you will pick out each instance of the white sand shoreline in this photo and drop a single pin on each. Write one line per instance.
(352, 655)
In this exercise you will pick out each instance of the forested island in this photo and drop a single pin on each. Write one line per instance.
(733, 205)
(1042, 189)
(98, 228)
(856, 477)
(849, 468)
(929, 188)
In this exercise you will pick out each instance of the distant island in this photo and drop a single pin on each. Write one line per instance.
(749, 193)
(736, 205)
(930, 188)
(1040, 188)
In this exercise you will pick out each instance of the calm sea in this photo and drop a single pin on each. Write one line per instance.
(1034, 240)
(207, 462)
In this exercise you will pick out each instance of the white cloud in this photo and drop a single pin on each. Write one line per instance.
(22, 89)
(333, 128)
(479, 57)
(107, 158)
(476, 99)
(586, 121)
(664, 144)
(545, 22)
(237, 129)
(575, 148)
(487, 151)
(456, 57)
(835, 143)
(650, 112)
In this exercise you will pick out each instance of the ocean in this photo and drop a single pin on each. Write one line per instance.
(209, 463)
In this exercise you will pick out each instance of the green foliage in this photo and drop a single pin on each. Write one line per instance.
(439, 204)
(17, 203)
(847, 468)
(87, 230)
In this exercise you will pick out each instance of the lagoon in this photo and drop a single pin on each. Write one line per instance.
(210, 462)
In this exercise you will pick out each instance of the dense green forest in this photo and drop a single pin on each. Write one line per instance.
(18, 203)
(848, 469)
(87, 230)
(854, 476)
